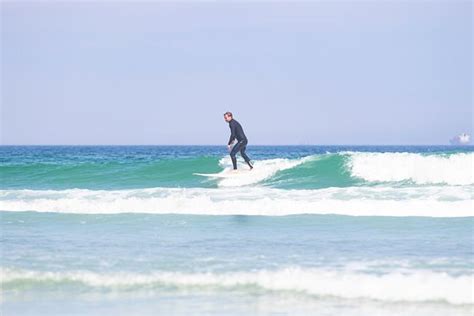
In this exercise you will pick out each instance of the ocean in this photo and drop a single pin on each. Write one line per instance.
(312, 230)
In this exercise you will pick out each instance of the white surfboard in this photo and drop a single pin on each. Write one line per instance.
(227, 174)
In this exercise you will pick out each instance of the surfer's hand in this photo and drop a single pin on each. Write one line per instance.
(229, 147)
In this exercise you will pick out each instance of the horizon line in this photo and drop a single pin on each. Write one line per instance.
(219, 145)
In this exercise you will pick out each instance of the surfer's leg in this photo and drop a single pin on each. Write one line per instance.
(244, 155)
(234, 152)
(234, 162)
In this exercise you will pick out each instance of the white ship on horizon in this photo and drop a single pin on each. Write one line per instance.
(461, 139)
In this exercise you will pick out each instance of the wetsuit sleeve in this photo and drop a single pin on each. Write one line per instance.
(232, 133)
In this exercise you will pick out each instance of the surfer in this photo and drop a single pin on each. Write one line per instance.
(236, 132)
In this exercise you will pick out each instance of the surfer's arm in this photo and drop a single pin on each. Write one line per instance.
(232, 134)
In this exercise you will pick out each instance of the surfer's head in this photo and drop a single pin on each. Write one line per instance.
(228, 116)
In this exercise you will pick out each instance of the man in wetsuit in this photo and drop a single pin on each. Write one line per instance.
(236, 132)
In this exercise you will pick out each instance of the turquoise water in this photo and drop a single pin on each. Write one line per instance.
(329, 230)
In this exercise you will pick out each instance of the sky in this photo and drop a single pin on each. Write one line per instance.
(306, 73)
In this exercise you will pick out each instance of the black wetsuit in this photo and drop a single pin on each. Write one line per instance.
(237, 132)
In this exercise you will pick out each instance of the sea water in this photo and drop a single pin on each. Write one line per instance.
(312, 230)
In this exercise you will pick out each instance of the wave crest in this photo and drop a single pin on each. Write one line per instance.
(263, 170)
(420, 169)
(355, 201)
(419, 286)
(455, 169)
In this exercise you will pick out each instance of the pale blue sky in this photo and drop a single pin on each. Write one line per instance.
(305, 73)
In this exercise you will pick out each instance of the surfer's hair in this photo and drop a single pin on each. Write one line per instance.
(228, 114)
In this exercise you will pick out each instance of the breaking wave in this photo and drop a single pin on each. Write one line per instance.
(419, 286)
(431, 201)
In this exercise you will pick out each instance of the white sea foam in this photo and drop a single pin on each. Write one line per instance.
(455, 169)
(418, 286)
(264, 169)
(434, 201)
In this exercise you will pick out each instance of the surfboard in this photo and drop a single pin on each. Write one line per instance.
(228, 174)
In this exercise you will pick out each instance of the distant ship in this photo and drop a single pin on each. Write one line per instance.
(462, 139)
